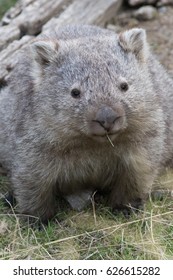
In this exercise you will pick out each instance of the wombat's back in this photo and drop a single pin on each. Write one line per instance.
(6, 126)
(79, 31)
(163, 86)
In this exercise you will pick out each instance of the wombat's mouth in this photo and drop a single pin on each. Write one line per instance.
(105, 137)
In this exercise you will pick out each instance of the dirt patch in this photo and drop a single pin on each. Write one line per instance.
(159, 32)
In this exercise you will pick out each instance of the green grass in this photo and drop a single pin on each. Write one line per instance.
(94, 233)
(5, 5)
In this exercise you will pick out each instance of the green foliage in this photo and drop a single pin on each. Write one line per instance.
(5, 5)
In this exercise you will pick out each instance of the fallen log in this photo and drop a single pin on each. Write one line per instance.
(34, 17)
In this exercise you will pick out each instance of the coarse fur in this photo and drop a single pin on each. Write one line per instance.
(55, 143)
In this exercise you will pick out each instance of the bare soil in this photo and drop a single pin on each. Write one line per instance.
(159, 32)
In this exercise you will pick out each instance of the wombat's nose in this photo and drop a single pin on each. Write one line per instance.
(106, 117)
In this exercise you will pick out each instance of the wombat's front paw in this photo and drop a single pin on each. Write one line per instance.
(9, 199)
(127, 210)
(37, 223)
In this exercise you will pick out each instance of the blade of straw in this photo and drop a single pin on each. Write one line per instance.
(109, 140)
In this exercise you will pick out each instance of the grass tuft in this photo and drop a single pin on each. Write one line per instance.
(91, 234)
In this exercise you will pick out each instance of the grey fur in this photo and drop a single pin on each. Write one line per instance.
(54, 144)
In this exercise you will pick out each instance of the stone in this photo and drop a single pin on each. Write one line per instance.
(114, 28)
(164, 2)
(134, 3)
(145, 13)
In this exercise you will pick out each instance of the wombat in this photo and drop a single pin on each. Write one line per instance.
(85, 110)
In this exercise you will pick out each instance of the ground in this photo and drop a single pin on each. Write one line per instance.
(95, 233)
(159, 32)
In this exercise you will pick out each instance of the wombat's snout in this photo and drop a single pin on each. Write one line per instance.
(106, 117)
(107, 120)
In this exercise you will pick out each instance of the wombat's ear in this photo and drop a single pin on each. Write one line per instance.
(134, 40)
(44, 51)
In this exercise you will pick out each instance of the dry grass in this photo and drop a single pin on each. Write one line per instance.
(92, 234)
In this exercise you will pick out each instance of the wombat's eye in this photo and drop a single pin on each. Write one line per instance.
(124, 86)
(75, 93)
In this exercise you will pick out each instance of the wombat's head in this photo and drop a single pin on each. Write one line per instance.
(94, 86)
